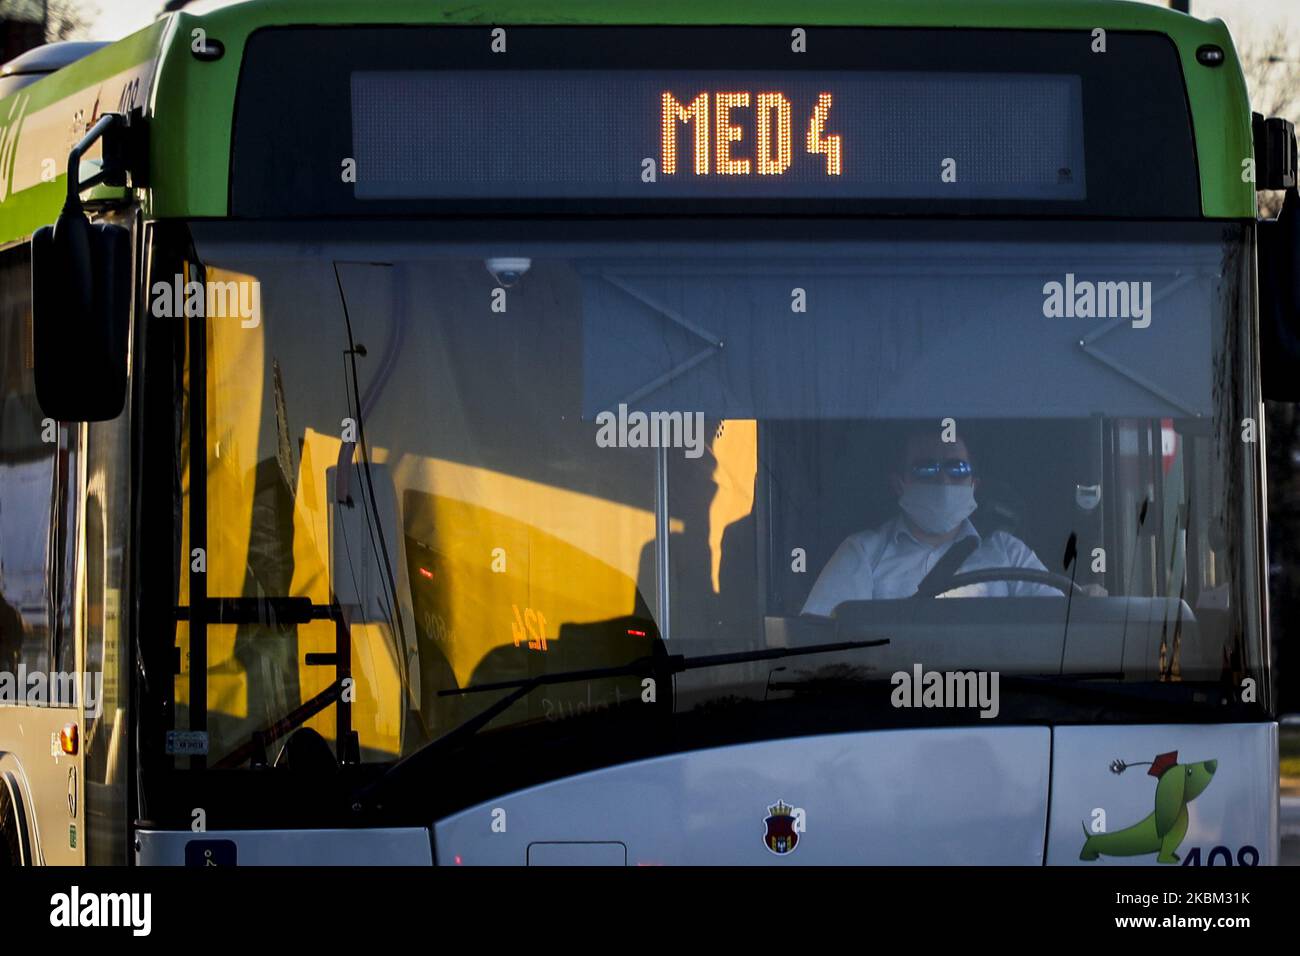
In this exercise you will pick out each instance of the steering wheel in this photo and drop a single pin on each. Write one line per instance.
(982, 575)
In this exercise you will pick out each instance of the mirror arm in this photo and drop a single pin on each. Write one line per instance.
(94, 180)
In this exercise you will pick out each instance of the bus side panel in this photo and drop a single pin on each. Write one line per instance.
(28, 745)
(1175, 795)
(39, 687)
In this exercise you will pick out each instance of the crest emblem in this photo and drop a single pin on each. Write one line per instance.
(780, 837)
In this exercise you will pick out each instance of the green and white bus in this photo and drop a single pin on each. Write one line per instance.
(460, 434)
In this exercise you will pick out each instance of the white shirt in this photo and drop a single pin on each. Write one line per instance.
(890, 562)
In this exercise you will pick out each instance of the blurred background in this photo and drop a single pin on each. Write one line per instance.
(1267, 36)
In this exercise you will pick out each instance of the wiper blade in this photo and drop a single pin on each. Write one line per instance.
(659, 663)
(654, 665)
(1155, 697)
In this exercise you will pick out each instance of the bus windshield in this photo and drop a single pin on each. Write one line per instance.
(503, 450)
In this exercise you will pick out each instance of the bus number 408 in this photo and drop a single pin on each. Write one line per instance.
(1222, 856)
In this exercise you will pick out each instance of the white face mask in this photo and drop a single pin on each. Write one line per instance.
(937, 509)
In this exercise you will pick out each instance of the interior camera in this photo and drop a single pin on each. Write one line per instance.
(509, 270)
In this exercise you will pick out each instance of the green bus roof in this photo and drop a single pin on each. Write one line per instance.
(190, 102)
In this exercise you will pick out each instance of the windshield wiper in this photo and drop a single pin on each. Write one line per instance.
(1159, 698)
(658, 666)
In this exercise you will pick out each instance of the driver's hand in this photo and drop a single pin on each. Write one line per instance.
(1095, 590)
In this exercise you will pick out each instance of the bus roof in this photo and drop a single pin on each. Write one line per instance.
(190, 102)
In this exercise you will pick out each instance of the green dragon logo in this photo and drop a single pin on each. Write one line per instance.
(1164, 828)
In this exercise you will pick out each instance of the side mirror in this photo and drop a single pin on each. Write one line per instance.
(1279, 262)
(81, 307)
(1279, 302)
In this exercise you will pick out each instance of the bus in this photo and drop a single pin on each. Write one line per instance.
(579, 433)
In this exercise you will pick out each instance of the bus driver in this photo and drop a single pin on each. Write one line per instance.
(935, 483)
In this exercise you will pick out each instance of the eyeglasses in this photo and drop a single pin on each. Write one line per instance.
(931, 470)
